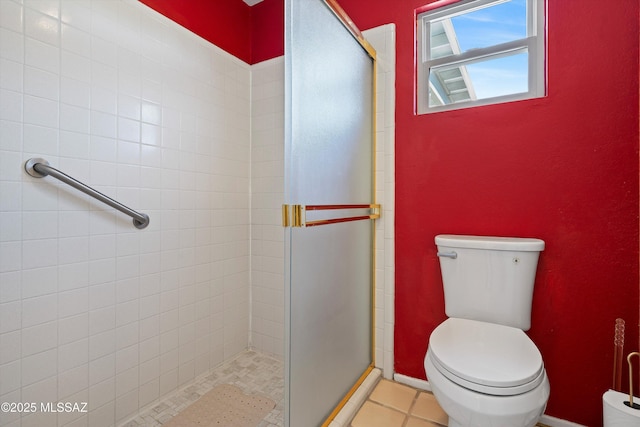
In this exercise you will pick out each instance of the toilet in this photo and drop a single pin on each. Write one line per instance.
(483, 370)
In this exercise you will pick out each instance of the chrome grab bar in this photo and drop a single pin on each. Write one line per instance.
(452, 254)
(39, 168)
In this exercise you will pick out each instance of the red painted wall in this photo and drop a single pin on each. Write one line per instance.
(267, 30)
(563, 168)
(224, 23)
(252, 34)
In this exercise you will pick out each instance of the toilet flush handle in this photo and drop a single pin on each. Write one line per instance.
(452, 254)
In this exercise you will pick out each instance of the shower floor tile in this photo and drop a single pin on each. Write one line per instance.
(251, 371)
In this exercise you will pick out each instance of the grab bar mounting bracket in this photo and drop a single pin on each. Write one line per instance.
(30, 164)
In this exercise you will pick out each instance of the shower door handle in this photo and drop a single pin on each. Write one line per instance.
(296, 215)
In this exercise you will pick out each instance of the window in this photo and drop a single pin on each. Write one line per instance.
(479, 52)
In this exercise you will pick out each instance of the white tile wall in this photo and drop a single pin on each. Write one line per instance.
(383, 40)
(92, 309)
(267, 196)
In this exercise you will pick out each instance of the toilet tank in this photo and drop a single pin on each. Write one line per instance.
(489, 278)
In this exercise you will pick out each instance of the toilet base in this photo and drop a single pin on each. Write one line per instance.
(467, 408)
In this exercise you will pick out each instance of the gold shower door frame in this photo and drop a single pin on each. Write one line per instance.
(295, 215)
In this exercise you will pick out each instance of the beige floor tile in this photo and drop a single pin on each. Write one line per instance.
(417, 422)
(374, 415)
(394, 395)
(427, 407)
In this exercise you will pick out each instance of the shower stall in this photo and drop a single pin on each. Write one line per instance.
(122, 99)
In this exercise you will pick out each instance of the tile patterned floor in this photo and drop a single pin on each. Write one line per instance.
(391, 404)
(251, 371)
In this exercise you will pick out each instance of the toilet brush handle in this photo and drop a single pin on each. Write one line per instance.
(618, 346)
(631, 404)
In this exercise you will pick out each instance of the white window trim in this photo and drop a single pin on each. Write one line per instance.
(534, 43)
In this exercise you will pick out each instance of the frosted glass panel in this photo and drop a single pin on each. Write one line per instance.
(328, 160)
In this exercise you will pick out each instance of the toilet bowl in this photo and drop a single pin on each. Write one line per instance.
(484, 374)
(483, 369)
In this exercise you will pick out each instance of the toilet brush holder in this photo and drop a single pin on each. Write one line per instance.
(619, 409)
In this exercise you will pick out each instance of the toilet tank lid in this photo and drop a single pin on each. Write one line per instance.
(490, 242)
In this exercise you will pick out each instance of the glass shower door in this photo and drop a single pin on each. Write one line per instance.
(329, 191)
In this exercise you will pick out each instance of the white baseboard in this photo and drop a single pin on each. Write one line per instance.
(412, 382)
(557, 422)
(424, 385)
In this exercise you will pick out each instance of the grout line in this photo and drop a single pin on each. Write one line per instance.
(407, 415)
(413, 403)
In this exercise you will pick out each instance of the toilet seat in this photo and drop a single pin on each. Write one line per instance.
(485, 357)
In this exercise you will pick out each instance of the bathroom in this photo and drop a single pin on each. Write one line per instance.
(563, 168)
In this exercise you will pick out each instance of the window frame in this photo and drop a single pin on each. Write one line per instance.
(534, 43)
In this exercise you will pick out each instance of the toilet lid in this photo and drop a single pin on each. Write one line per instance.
(486, 357)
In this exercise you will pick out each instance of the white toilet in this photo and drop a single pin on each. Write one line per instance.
(482, 368)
